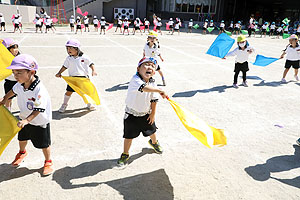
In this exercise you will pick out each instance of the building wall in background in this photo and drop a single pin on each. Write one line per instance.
(27, 12)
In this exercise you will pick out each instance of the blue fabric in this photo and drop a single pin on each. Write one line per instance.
(264, 61)
(221, 46)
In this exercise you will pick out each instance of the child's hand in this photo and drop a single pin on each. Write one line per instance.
(250, 51)
(162, 60)
(2, 101)
(151, 118)
(281, 56)
(224, 58)
(163, 94)
(22, 123)
(58, 75)
(94, 73)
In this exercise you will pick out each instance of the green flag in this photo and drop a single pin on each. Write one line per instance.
(210, 29)
(286, 21)
(268, 29)
(285, 35)
(257, 30)
(244, 32)
(196, 26)
(228, 33)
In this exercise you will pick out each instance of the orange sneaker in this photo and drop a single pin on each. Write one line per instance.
(19, 158)
(48, 168)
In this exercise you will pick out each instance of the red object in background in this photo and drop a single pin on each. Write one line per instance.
(110, 26)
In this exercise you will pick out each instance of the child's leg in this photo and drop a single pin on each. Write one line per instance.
(153, 138)
(47, 153)
(296, 72)
(236, 77)
(67, 97)
(127, 145)
(285, 72)
(22, 145)
(244, 76)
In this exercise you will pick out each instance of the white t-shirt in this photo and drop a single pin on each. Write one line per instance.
(237, 25)
(231, 25)
(78, 66)
(279, 29)
(72, 21)
(86, 21)
(170, 23)
(286, 28)
(120, 21)
(292, 53)
(16, 21)
(158, 24)
(222, 25)
(205, 24)
(48, 22)
(2, 19)
(36, 98)
(102, 23)
(147, 23)
(190, 24)
(151, 51)
(241, 55)
(176, 26)
(137, 23)
(264, 26)
(137, 101)
(298, 29)
(78, 22)
(273, 26)
(211, 24)
(95, 21)
(126, 23)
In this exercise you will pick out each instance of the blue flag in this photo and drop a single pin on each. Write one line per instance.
(221, 46)
(264, 61)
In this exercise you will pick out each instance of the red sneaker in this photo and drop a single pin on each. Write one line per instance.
(19, 158)
(48, 168)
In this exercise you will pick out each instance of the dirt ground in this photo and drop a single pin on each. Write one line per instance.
(261, 160)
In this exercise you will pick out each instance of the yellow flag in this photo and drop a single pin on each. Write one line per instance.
(5, 60)
(206, 134)
(8, 128)
(85, 88)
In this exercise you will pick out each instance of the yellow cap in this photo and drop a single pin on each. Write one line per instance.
(241, 38)
(293, 37)
(152, 34)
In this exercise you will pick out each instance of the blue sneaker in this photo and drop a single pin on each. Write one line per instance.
(298, 141)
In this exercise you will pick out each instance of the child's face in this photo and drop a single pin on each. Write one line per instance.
(293, 42)
(146, 70)
(14, 50)
(72, 51)
(151, 39)
(23, 75)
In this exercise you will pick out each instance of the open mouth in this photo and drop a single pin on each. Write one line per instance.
(148, 73)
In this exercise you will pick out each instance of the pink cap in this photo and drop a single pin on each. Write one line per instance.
(73, 43)
(147, 59)
(24, 61)
(8, 42)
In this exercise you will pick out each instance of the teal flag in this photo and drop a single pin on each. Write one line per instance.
(221, 46)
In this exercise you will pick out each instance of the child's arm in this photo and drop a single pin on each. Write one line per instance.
(161, 58)
(232, 53)
(144, 53)
(62, 69)
(94, 73)
(282, 55)
(149, 88)
(151, 117)
(26, 121)
(6, 97)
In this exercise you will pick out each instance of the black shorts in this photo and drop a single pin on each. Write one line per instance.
(95, 25)
(189, 27)
(133, 126)
(119, 26)
(158, 68)
(102, 27)
(286, 32)
(236, 29)
(137, 28)
(8, 85)
(176, 29)
(78, 26)
(17, 25)
(272, 30)
(158, 28)
(37, 26)
(146, 26)
(290, 63)
(125, 27)
(230, 29)
(71, 25)
(2, 23)
(69, 89)
(39, 136)
(241, 67)
(298, 33)
(171, 26)
(48, 26)
(203, 28)
(263, 30)
(86, 25)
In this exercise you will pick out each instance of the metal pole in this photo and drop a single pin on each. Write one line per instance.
(74, 8)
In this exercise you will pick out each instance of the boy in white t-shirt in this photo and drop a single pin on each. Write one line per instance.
(17, 22)
(102, 25)
(95, 22)
(35, 109)
(86, 23)
(78, 65)
(272, 29)
(119, 25)
(72, 22)
(292, 52)
(2, 22)
(147, 25)
(142, 97)
(190, 26)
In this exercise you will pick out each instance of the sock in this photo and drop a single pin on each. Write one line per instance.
(50, 161)
(162, 78)
(22, 152)
(66, 99)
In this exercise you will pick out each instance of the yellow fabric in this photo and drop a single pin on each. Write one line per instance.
(241, 38)
(153, 34)
(5, 60)
(8, 128)
(206, 134)
(85, 88)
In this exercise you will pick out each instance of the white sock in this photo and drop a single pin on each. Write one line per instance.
(66, 99)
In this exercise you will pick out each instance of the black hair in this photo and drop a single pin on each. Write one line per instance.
(80, 53)
(289, 45)
(154, 44)
(247, 44)
(42, 10)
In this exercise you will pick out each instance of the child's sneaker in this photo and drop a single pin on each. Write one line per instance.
(48, 168)
(296, 77)
(235, 86)
(19, 158)
(63, 108)
(157, 148)
(283, 80)
(164, 82)
(90, 107)
(245, 84)
(298, 141)
(123, 160)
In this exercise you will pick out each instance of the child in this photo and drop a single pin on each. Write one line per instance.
(279, 31)
(292, 52)
(95, 22)
(38, 23)
(205, 26)
(147, 24)
(171, 24)
(126, 25)
(10, 81)
(222, 27)
(78, 25)
(190, 26)
(2, 22)
(142, 97)
(78, 65)
(286, 28)
(272, 29)
(151, 49)
(237, 28)
(119, 25)
(137, 23)
(72, 22)
(35, 109)
(16, 21)
(158, 25)
(298, 30)
(48, 24)
(102, 24)
(86, 23)
(231, 27)
(264, 29)
(241, 60)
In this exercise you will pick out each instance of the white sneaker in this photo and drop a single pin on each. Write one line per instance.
(245, 84)
(296, 77)
(283, 80)
(90, 106)
(63, 108)
(235, 86)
